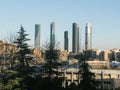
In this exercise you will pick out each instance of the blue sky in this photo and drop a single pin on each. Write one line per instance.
(104, 16)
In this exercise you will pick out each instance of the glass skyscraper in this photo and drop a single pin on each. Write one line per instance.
(75, 38)
(88, 36)
(37, 36)
(66, 40)
(52, 33)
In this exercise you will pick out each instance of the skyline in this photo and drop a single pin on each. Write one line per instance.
(104, 17)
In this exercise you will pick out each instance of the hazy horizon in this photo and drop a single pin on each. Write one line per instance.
(104, 16)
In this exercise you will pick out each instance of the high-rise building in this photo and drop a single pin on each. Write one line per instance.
(66, 40)
(75, 38)
(52, 33)
(88, 36)
(37, 36)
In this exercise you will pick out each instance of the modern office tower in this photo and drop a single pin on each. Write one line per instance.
(37, 36)
(75, 38)
(66, 40)
(88, 36)
(52, 33)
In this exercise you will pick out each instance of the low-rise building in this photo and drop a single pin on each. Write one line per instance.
(37, 56)
(6, 48)
(63, 55)
(104, 55)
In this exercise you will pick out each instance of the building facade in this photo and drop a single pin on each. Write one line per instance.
(37, 36)
(66, 41)
(75, 38)
(52, 33)
(88, 36)
(7, 48)
(63, 55)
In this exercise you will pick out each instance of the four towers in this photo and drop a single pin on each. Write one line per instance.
(75, 37)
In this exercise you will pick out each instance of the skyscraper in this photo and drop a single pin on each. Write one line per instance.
(75, 38)
(88, 36)
(66, 40)
(52, 33)
(37, 36)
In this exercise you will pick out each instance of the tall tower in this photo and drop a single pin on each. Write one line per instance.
(88, 36)
(75, 38)
(66, 40)
(52, 33)
(37, 36)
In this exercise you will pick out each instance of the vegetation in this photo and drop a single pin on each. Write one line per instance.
(10, 80)
(23, 47)
(50, 75)
(15, 78)
(21, 76)
(51, 57)
(88, 78)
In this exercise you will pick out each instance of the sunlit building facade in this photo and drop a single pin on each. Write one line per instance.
(88, 36)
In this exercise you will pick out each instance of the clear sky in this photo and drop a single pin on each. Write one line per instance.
(104, 16)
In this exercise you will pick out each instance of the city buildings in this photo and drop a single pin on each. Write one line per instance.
(75, 38)
(37, 56)
(63, 55)
(66, 41)
(7, 48)
(104, 55)
(37, 36)
(52, 33)
(88, 36)
(107, 58)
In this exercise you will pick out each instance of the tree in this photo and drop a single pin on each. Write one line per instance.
(18, 78)
(51, 58)
(23, 56)
(23, 47)
(10, 80)
(50, 79)
(88, 78)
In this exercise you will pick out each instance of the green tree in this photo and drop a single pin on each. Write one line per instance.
(23, 48)
(10, 80)
(52, 60)
(17, 78)
(88, 78)
(50, 79)
(23, 56)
